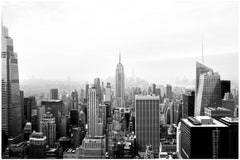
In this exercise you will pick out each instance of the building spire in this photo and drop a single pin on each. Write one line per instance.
(119, 56)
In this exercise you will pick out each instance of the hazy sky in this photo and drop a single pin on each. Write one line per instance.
(159, 40)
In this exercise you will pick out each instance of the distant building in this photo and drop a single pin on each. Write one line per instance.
(225, 87)
(53, 94)
(86, 91)
(147, 122)
(228, 102)
(29, 103)
(92, 111)
(206, 133)
(209, 92)
(22, 107)
(108, 96)
(217, 113)
(188, 104)
(154, 88)
(119, 84)
(98, 89)
(93, 148)
(74, 100)
(232, 138)
(169, 92)
(37, 145)
(41, 112)
(27, 131)
(74, 117)
(48, 128)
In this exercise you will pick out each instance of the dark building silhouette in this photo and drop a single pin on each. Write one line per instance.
(74, 117)
(188, 104)
(203, 138)
(54, 94)
(147, 125)
(22, 107)
(232, 138)
(225, 87)
(29, 103)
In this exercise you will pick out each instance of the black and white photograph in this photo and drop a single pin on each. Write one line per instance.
(120, 79)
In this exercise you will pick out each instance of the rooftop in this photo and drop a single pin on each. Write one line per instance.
(217, 109)
(146, 97)
(52, 100)
(230, 119)
(203, 121)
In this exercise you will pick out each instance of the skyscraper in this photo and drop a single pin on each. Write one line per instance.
(209, 92)
(54, 94)
(232, 138)
(200, 69)
(92, 111)
(188, 104)
(98, 89)
(37, 147)
(225, 87)
(108, 97)
(11, 107)
(29, 103)
(86, 91)
(48, 128)
(119, 84)
(147, 125)
(203, 138)
(169, 92)
(75, 100)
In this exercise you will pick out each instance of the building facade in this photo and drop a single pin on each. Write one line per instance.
(37, 145)
(209, 92)
(54, 94)
(11, 107)
(119, 84)
(203, 138)
(147, 125)
(92, 111)
(48, 128)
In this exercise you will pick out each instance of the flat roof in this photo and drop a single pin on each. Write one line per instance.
(215, 122)
(217, 109)
(230, 119)
(147, 97)
(52, 100)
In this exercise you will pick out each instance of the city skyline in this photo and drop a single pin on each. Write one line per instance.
(144, 36)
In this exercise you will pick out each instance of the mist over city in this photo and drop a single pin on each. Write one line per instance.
(119, 79)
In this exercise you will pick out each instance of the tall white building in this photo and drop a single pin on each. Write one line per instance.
(209, 92)
(119, 84)
(92, 111)
(11, 107)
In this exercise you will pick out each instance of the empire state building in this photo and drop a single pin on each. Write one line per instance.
(119, 84)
